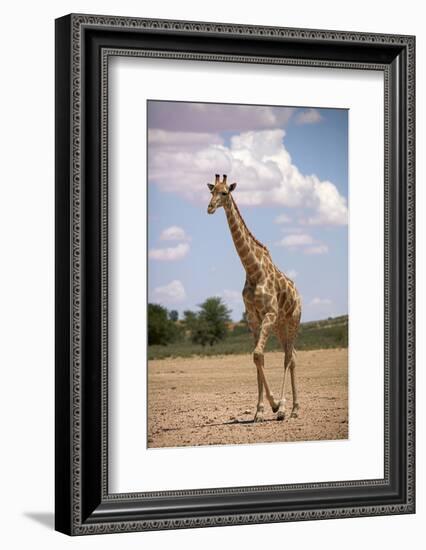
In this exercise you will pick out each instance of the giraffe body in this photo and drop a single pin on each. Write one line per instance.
(271, 299)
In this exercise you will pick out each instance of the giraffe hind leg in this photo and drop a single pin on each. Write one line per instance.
(295, 409)
(289, 365)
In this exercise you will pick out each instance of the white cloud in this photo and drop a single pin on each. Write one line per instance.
(169, 254)
(257, 160)
(309, 116)
(210, 117)
(292, 273)
(232, 296)
(303, 241)
(317, 249)
(292, 229)
(296, 240)
(320, 302)
(172, 293)
(176, 141)
(282, 218)
(174, 233)
(331, 209)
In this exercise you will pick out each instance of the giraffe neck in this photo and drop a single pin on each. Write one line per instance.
(245, 243)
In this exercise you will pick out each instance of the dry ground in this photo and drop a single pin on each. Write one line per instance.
(212, 400)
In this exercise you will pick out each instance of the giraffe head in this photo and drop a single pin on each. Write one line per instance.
(221, 193)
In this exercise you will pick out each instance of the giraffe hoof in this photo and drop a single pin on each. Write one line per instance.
(275, 405)
(281, 415)
(258, 417)
(295, 412)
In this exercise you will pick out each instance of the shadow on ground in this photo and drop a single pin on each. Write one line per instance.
(47, 519)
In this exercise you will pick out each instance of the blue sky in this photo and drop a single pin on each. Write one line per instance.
(291, 169)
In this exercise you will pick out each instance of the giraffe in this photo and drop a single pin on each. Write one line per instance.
(271, 300)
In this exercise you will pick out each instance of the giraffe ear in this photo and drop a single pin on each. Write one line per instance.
(210, 186)
(232, 186)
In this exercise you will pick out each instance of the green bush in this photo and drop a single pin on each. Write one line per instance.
(210, 324)
(161, 329)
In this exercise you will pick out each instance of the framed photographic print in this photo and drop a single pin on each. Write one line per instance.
(234, 274)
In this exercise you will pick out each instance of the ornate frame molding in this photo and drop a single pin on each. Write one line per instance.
(76, 511)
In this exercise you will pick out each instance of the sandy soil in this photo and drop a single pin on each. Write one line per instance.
(212, 400)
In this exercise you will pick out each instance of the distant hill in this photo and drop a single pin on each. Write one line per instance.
(328, 333)
(323, 334)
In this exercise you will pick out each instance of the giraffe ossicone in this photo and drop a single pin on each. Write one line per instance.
(271, 299)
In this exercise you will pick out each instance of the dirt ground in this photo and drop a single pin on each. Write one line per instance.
(212, 400)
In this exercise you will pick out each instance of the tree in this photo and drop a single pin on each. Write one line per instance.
(189, 320)
(202, 333)
(242, 327)
(161, 330)
(174, 315)
(210, 323)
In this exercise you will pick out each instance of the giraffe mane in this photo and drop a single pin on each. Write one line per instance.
(247, 229)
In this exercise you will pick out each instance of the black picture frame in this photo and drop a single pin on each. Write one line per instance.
(83, 45)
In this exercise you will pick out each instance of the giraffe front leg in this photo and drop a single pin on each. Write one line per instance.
(254, 328)
(258, 355)
(260, 407)
(295, 409)
(254, 325)
(288, 364)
